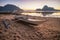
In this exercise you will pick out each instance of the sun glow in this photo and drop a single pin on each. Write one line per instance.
(32, 4)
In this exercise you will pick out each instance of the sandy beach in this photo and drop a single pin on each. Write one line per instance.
(48, 30)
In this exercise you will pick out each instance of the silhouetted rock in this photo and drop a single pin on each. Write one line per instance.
(46, 8)
(10, 7)
(1, 8)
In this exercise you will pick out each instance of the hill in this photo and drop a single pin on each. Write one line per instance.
(9, 8)
(47, 8)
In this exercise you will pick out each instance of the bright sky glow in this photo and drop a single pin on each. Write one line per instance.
(32, 4)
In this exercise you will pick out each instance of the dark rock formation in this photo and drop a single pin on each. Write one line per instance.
(1, 8)
(46, 8)
(10, 7)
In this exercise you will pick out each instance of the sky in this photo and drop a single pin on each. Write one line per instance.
(32, 4)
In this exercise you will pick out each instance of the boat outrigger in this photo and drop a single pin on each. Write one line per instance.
(28, 20)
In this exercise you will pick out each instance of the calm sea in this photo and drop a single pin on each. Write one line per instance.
(41, 15)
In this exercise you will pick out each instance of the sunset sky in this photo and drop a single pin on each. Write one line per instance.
(32, 4)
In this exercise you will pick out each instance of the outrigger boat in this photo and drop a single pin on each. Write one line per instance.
(26, 19)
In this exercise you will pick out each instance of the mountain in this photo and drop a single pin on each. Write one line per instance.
(9, 7)
(46, 8)
(1, 8)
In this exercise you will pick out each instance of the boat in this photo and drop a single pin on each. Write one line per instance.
(28, 20)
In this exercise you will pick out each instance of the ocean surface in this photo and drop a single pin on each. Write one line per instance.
(41, 15)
